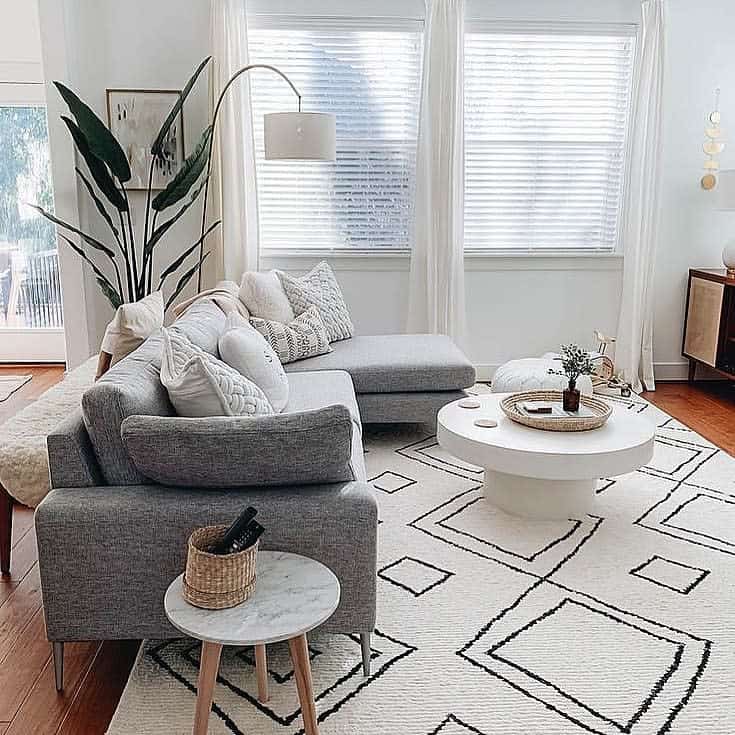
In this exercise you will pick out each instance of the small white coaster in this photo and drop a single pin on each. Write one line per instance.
(469, 403)
(486, 423)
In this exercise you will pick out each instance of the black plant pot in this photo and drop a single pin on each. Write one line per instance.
(570, 399)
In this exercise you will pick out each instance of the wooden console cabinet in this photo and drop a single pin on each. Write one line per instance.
(709, 328)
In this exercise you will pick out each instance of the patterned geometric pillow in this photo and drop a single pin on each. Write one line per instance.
(319, 288)
(200, 385)
(305, 336)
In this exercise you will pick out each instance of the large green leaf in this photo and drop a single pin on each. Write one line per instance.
(187, 175)
(184, 280)
(97, 168)
(179, 261)
(102, 142)
(96, 244)
(161, 230)
(107, 288)
(157, 147)
(98, 203)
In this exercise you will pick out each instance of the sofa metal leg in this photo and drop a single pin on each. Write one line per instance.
(58, 647)
(366, 653)
(6, 529)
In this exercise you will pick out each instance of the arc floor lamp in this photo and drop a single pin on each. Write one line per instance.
(288, 136)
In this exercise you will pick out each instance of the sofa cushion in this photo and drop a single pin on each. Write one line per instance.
(396, 363)
(133, 386)
(235, 451)
(312, 390)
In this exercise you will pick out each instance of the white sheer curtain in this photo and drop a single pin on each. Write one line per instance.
(233, 188)
(634, 349)
(436, 296)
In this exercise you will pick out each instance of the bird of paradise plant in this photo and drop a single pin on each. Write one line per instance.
(128, 275)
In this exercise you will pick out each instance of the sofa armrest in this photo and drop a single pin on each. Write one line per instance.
(71, 458)
(234, 451)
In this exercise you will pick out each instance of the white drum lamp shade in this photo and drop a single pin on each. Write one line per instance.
(300, 136)
(725, 201)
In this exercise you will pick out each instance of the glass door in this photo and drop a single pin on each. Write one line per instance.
(31, 320)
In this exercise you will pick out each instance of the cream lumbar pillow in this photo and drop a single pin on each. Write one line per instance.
(245, 349)
(305, 336)
(132, 324)
(200, 385)
(264, 297)
(319, 287)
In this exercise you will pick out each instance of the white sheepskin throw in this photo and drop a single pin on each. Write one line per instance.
(24, 470)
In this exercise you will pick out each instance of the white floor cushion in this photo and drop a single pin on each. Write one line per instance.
(532, 373)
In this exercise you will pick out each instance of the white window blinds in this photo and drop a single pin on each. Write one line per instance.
(546, 120)
(367, 72)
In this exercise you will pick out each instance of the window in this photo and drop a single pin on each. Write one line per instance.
(30, 295)
(368, 73)
(546, 121)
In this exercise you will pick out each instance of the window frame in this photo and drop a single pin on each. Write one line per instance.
(303, 21)
(568, 28)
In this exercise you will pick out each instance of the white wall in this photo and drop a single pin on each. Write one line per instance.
(518, 306)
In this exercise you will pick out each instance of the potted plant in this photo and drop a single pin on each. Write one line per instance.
(126, 272)
(575, 362)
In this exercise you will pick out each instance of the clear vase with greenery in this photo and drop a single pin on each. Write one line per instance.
(124, 264)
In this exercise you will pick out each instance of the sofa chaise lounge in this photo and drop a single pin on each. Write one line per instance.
(131, 480)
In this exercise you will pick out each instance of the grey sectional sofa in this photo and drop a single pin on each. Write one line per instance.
(131, 481)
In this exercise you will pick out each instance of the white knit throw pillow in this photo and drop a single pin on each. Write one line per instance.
(319, 288)
(200, 385)
(305, 336)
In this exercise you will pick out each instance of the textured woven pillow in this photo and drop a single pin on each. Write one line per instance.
(305, 336)
(200, 385)
(319, 288)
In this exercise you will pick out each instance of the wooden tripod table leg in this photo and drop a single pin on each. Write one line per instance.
(261, 670)
(208, 667)
(302, 669)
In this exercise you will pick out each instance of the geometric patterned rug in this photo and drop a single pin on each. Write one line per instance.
(620, 621)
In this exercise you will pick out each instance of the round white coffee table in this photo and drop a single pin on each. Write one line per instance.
(543, 474)
(293, 595)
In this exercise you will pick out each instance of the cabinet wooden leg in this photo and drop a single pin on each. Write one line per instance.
(302, 669)
(261, 670)
(6, 530)
(692, 370)
(208, 667)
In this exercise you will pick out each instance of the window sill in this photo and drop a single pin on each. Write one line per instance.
(399, 260)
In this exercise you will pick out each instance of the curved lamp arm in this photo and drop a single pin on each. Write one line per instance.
(217, 107)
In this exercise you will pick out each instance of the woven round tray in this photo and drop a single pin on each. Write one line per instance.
(601, 409)
(214, 581)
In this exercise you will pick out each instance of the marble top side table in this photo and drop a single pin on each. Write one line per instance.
(293, 595)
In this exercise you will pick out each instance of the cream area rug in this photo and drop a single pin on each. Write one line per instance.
(11, 383)
(620, 621)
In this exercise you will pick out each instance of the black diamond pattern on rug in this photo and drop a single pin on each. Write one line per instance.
(280, 676)
(452, 725)
(700, 517)
(604, 669)
(673, 575)
(391, 482)
(414, 576)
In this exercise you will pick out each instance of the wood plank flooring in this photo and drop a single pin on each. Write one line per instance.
(96, 672)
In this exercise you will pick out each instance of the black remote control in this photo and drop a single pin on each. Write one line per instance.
(224, 545)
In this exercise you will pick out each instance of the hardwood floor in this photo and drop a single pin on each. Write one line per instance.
(95, 674)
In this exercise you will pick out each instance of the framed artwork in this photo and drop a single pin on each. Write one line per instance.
(135, 117)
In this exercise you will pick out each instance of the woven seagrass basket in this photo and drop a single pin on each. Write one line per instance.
(601, 410)
(214, 581)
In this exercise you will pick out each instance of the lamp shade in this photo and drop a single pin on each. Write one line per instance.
(725, 190)
(304, 136)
